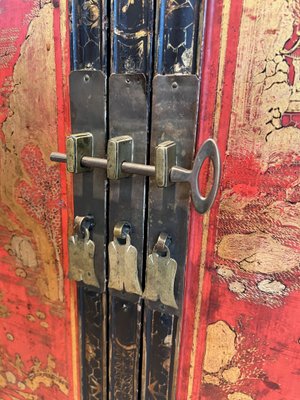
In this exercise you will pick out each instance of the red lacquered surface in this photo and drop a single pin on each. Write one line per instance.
(241, 331)
(38, 355)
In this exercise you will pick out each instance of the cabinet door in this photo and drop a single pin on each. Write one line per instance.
(134, 90)
(241, 325)
(38, 344)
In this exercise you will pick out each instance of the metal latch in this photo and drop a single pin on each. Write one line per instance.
(123, 270)
(160, 273)
(82, 252)
(119, 164)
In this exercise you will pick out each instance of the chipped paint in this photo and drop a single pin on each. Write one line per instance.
(258, 253)
(251, 262)
(225, 272)
(239, 396)
(4, 312)
(22, 248)
(270, 286)
(237, 287)
(232, 375)
(211, 380)
(220, 346)
(34, 298)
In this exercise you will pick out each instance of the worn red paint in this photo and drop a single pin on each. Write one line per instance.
(267, 344)
(208, 89)
(35, 338)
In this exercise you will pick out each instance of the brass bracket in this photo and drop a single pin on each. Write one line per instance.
(119, 150)
(165, 159)
(79, 145)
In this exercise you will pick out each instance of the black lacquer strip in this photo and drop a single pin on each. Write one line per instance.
(177, 40)
(132, 34)
(89, 52)
(88, 34)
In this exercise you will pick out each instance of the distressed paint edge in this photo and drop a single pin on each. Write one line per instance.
(192, 294)
(62, 62)
(227, 83)
(218, 15)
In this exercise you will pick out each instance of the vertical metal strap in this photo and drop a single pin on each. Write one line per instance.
(174, 117)
(131, 63)
(88, 113)
(88, 109)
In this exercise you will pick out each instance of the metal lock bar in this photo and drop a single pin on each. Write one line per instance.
(166, 171)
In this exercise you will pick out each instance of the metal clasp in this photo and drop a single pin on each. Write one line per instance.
(119, 164)
(82, 252)
(123, 269)
(161, 273)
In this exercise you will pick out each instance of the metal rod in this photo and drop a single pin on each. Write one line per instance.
(139, 169)
(209, 150)
(58, 157)
(179, 174)
(93, 162)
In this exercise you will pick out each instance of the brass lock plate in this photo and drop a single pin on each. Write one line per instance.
(128, 115)
(123, 269)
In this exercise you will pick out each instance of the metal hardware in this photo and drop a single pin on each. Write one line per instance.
(82, 252)
(160, 274)
(121, 230)
(93, 162)
(163, 242)
(128, 114)
(209, 150)
(83, 223)
(165, 159)
(174, 117)
(123, 271)
(78, 146)
(119, 149)
(164, 171)
(88, 109)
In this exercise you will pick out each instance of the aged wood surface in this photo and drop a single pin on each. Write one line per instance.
(241, 325)
(36, 309)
